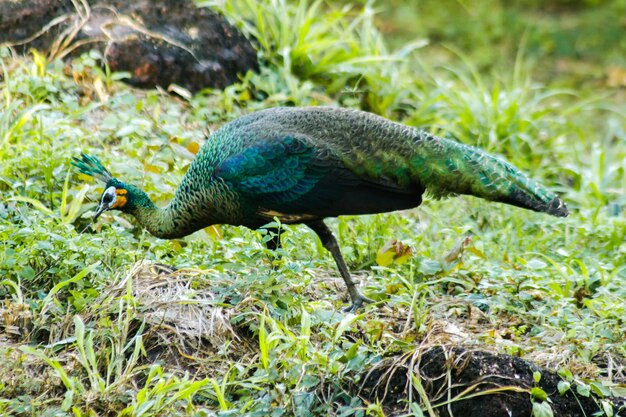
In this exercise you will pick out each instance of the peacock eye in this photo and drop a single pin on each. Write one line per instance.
(107, 198)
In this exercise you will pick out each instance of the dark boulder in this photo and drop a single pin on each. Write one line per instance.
(158, 42)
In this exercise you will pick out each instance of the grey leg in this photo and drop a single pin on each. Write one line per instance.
(330, 243)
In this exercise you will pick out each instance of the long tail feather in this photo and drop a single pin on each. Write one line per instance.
(448, 167)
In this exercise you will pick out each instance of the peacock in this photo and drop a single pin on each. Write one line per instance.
(301, 165)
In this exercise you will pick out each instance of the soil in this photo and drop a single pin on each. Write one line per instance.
(449, 372)
(159, 42)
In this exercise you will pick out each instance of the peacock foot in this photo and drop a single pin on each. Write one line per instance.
(357, 301)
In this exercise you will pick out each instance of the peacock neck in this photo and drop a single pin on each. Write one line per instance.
(172, 221)
(158, 221)
(192, 208)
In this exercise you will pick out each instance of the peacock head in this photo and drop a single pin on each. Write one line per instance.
(116, 194)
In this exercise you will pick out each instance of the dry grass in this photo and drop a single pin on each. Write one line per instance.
(167, 302)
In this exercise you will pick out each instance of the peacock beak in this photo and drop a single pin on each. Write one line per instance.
(102, 207)
(107, 202)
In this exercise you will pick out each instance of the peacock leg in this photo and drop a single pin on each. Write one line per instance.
(330, 243)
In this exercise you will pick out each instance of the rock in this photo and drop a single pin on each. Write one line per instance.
(461, 375)
(159, 42)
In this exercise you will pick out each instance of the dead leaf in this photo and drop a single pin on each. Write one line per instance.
(457, 251)
(151, 168)
(100, 89)
(393, 252)
(193, 147)
(182, 151)
(476, 252)
(215, 232)
(616, 76)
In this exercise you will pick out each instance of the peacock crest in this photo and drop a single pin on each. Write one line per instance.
(91, 166)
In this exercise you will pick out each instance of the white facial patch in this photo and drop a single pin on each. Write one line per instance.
(108, 197)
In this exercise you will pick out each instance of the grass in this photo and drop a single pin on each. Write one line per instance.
(91, 327)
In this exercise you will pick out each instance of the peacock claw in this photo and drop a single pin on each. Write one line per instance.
(357, 302)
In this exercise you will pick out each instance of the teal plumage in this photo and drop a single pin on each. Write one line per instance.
(304, 164)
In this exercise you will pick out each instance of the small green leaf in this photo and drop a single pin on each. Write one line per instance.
(430, 267)
(68, 400)
(583, 389)
(345, 323)
(538, 394)
(125, 130)
(536, 264)
(566, 374)
(35, 203)
(27, 273)
(563, 387)
(308, 382)
(542, 409)
(79, 330)
(352, 351)
(607, 407)
(599, 389)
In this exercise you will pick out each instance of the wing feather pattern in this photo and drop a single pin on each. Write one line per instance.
(288, 173)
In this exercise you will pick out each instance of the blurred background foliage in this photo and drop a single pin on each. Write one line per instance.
(568, 41)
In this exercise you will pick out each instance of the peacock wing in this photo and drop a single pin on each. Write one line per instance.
(274, 172)
(292, 174)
